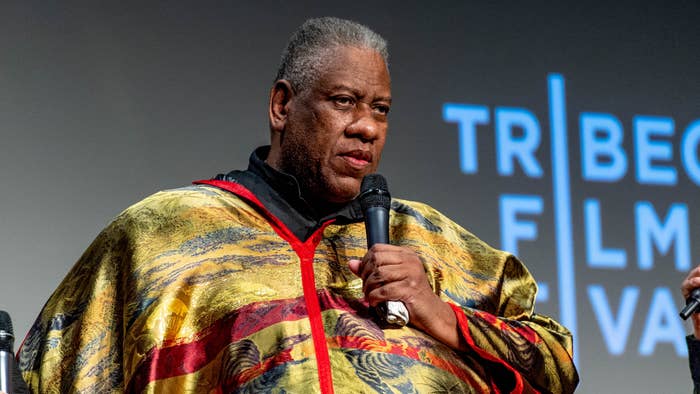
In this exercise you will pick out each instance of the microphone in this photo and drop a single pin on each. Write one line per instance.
(691, 304)
(375, 201)
(7, 358)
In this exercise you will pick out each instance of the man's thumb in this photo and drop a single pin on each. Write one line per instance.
(354, 265)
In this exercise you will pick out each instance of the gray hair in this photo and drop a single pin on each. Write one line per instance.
(304, 56)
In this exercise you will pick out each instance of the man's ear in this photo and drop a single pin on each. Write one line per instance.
(281, 96)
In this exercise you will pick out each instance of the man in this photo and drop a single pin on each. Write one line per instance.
(260, 281)
(691, 282)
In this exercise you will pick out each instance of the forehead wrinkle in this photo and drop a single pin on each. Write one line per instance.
(356, 70)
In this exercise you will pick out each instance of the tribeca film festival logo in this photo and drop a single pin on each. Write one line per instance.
(517, 134)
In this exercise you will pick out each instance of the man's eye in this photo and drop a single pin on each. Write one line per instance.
(343, 101)
(382, 109)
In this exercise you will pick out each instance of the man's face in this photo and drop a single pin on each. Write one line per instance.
(335, 130)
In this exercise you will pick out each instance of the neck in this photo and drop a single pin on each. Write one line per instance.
(323, 207)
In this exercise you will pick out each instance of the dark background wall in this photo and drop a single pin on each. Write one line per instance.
(104, 104)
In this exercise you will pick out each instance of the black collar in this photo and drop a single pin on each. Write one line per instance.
(281, 195)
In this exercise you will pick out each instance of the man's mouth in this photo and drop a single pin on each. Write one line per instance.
(358, 158)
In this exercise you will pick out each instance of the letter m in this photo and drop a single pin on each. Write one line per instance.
(652, 232)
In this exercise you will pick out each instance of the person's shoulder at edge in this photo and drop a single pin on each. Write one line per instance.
(434, 220)
(175, 200)
(169, 208)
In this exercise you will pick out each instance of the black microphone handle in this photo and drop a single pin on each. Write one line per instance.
(691, 304)
(377, 226)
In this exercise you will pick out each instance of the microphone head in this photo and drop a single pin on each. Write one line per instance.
(374, 192)
(7, 336)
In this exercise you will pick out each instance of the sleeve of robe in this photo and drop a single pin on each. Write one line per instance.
(75, 343)
(83, 340)
(535, 346)
(493, 295)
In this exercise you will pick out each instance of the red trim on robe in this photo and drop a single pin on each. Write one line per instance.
(305, 251)
(463, 324)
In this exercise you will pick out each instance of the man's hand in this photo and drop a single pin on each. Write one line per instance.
(691, 282)
(394, 273)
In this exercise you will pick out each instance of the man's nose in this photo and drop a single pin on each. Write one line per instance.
(365, 124)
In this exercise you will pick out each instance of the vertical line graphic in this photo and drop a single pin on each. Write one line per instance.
(562, 205)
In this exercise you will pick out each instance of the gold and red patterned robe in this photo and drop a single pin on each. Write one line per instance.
(202, 290)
